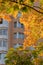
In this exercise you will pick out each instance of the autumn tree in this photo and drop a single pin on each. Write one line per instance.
(23, 57)
(32, 17)
(9, 6)
(18, 57)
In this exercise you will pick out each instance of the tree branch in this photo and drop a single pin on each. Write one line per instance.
(30, 7)
(38, 7)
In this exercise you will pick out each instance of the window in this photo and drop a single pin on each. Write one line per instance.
(18, 35)
(15, 24)
(22, 26)
(18, 24)
(4, 43)
(4, 54)
(1, 20)
(17, 45)
(0, 43)
(0, 32)
(15, 35)
(3, 31)
(0, 56)
(22, 35)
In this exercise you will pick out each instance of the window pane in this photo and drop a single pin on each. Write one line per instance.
(0, 32)
(19, 35)
(22, 35)
(4, 31)
(0, 43)
(0, 56)
(4, 43)
(15, 35)
(18, 24)
(17, 45)
(1, 20)
(22, 26)
(4, 54)
(15, 24)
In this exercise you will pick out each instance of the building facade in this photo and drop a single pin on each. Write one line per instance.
(11, 35)
(3, 39)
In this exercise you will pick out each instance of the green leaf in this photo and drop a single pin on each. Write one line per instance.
(24, 9)
(32, 1)
(21, 1)
(35, 54)
(16, 7)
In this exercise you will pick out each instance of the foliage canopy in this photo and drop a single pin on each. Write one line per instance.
(10, 6)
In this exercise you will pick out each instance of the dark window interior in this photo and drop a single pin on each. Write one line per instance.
(1, 20)
(22, 26)
(15, 24)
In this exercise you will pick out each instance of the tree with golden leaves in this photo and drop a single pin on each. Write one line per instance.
(9, 6)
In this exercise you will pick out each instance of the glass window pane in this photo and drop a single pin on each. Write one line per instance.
(4, 54)
(19, 24)
(4, 43)
(22, 35)
(15, 24)
(0, 43)
(1, 20)
(15, 35)
(22, 26)
(17, 45)
(4, 31)
(0, 32)
(0, 56)
(18, 35)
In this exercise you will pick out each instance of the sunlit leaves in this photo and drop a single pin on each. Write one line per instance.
(36, 30)
(9, 10)
(41, 1)
(18, 4)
